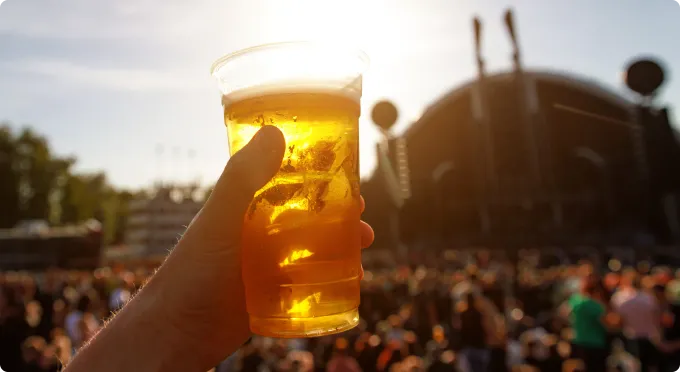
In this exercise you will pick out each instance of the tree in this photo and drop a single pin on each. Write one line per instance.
(38, 172)
(35, 183)
(117, 213)
(83, 198)
(89, 196)
(9, 186)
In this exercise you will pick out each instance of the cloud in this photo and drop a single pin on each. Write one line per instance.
(84, 19)
(135, 20)
(107, 78)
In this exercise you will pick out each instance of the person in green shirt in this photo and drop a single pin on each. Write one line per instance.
(587, 314)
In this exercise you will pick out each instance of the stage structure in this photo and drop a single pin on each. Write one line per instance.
(534, 158)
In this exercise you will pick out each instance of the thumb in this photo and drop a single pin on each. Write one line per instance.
(246, 172)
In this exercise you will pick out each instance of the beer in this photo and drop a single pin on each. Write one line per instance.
(301, 239)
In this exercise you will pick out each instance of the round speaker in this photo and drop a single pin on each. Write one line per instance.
(384, 114)
(644, 76)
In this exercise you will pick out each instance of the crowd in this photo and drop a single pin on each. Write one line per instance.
(467, 311)
(45, 317)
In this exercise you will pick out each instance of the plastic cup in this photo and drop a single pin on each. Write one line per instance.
(301, 239)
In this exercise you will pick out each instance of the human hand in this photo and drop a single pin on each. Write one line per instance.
(203, 290)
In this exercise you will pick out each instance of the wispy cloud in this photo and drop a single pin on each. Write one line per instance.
(84, 19)
(71, 73)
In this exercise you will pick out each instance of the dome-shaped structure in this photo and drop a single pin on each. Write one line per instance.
(575, 82)
(489, 160)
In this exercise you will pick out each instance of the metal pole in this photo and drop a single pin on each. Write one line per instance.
(481, 116)
(527, 99)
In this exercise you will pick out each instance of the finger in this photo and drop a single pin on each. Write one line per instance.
(246, 172)
(367, 235)
(363, 204)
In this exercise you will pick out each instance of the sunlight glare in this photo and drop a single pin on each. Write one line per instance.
(293, 205)
(302, 308)
(244, 133)
(295, 256)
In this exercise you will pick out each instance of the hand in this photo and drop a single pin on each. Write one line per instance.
(204, 291)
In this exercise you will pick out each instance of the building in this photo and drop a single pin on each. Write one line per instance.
(157, 221)
(532, 158)
(36, 246)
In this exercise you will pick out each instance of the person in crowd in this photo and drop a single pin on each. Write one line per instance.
(342, 361)
(33, 316)
(669, 337)
(59, 313)
(439, 350)
(367, 350)
(46, 296)
(475, 328)
(121, 294)
(439, 343)
(13, 329)
(80, 324)
(392, 354)
(471, 284)
(31, 353)
(587, 314)
(442, 361)
(641, 316)
(62, 344)
(621, 360)
(412, 344)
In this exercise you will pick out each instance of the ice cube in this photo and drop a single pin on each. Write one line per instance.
(279, 194)
(321, 156)
(276, 196)
(287, 219)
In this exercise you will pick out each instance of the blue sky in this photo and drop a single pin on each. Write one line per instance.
(108, 81)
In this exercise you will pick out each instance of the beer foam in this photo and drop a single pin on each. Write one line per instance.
(351, 91)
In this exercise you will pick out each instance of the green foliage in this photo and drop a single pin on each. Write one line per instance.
(9, 186)
(38, 184)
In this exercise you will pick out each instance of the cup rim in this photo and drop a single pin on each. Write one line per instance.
(214, 68)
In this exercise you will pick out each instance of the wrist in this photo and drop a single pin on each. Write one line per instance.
(179, 349)
(140, 338)
(202, 310)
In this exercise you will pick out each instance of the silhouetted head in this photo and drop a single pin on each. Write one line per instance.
(341, 345)
(471, 299)
(659, 291)
(83, 303)
(630, 279)
(588, 285)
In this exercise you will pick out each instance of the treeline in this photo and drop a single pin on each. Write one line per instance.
(37, 184)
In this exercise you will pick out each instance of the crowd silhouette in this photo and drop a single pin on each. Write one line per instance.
(461, 313)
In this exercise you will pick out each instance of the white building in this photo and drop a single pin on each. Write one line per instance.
(156, 222)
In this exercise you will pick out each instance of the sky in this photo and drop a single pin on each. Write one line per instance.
(112, 82)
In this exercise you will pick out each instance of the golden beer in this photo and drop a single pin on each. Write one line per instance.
(301, 236)
(301, 239)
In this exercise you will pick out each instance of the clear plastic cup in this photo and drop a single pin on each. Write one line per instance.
(301, 239)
